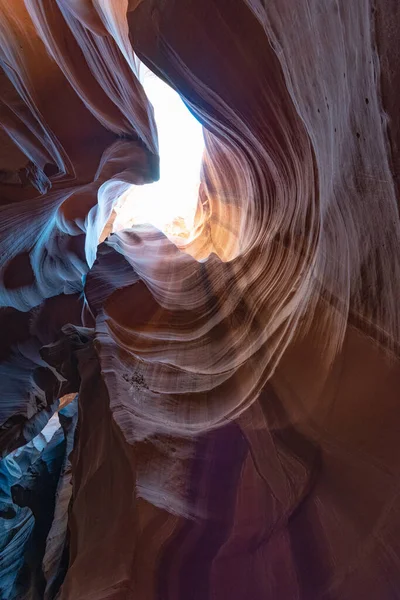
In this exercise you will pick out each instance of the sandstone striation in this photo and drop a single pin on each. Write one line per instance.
(213, 415)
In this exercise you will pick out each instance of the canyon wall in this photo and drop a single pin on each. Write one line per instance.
(236, 422)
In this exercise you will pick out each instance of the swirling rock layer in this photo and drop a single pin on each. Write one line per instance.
(237, 414)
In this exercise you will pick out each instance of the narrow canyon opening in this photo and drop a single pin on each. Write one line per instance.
(170, 203)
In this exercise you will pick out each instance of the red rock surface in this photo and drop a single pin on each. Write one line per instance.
(238, 403)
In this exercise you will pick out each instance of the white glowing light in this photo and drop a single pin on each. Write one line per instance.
(170, 203)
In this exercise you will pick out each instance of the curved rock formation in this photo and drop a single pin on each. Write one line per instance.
(237, 411)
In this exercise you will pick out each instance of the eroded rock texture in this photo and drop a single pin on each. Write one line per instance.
(235, 433)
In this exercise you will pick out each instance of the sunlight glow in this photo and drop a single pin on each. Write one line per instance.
(170, 203)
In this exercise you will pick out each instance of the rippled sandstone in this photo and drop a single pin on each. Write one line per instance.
(237, 413)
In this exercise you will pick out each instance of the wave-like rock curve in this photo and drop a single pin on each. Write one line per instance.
(238, 418)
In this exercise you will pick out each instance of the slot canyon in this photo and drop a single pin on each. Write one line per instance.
(199, 300)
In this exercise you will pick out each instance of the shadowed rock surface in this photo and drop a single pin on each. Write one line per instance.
(235, 430)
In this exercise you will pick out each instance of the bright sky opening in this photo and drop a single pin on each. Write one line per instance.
(170, 203)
